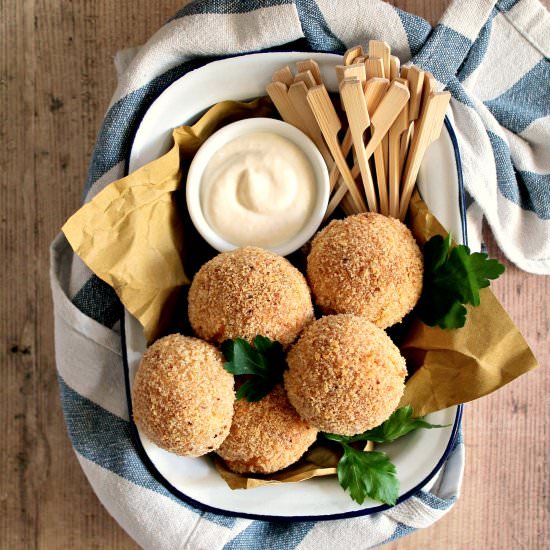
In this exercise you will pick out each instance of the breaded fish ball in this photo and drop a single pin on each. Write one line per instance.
(266, 436)
(367, 264)
(246, 292)
(345, 375)
(182, 396)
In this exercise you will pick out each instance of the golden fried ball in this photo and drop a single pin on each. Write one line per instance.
(182, 396)
(367, 264)
(345, 375)
(246, 292)
(266, 436)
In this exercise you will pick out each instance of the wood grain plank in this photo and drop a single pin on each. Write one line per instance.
(56, 79)
(75, 79)
(18, 317)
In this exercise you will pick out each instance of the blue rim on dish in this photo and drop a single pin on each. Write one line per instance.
(292, 519)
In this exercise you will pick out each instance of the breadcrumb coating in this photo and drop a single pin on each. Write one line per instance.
(182, 396)
(345, 375)
(367, 264)
(246, 292)
(266, 436)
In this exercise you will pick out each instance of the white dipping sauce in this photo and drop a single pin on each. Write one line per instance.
(258, 190)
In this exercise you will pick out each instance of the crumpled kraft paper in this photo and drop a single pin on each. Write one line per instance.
(456, 366)
(131, 234)
(319, 461)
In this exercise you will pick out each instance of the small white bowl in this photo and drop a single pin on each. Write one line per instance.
(229, 133)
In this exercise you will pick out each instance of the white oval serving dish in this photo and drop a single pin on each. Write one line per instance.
(418, 456)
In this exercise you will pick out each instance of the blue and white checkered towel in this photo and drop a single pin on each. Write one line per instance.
(492, 56)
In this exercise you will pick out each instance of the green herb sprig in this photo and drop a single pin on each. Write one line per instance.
(263, 365)
(371, 474)
(452, 277)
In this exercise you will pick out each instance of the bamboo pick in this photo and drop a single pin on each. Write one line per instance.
(374, 67)
(428, 88)
(428, 129)
(298, 96)
(328, 121)
(378, 48)
(415, 78)
(310, 65)
(352, 53)
(386, 113)
(355, 70)
(400, 125)
(278, 93)
(353, 98)
(375, 89)
(283, 75)
(384, 116)
(394, 67)
(307, 78)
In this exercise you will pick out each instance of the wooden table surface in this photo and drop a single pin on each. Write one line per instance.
(56, 79)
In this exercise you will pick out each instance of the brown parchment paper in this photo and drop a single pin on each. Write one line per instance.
(456, 366)
(131, 233)
(131, 236)
(319, 461)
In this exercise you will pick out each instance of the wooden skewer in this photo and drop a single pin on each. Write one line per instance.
(307, 78)
(375, 89)
(428, 129)
(405, 139)
(283, 75)
(400, 125)
(382, 119)
(330, 125)
(386, 113)
(310, 65)
(405, 143)
(298, 96)
(378, 48)
(334, 175)
(353, 97)
(374, 67)
(278, 93)
(355, 70)
(415, 78)
(352, 53)
(394, 67)
(428, 88)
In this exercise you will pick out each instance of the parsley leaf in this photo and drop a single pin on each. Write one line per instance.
(263, 364)
(453, 277)
(400, 423)
(368, 474)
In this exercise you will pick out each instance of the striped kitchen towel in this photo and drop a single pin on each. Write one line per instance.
(491, 55)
